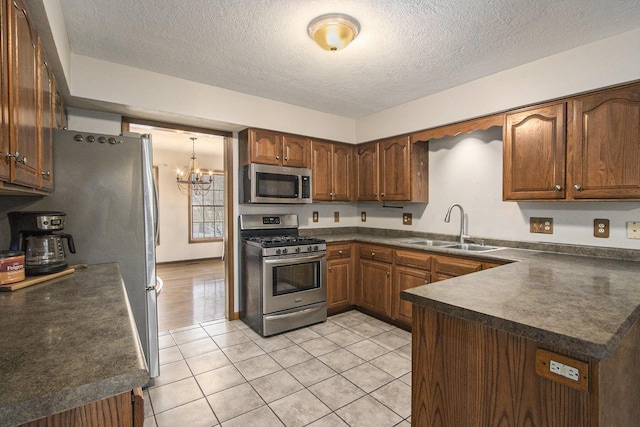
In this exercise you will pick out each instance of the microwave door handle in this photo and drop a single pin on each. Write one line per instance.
(296, 260)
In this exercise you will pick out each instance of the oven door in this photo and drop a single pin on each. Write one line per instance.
(291, 281)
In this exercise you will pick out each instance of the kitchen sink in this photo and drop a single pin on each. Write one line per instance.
(473, 247)
(427, 242)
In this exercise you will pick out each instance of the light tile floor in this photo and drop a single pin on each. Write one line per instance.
(353, 370)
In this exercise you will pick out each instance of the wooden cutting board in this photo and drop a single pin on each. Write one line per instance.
(34, 280)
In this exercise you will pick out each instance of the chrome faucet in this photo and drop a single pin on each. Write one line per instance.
(447, 218)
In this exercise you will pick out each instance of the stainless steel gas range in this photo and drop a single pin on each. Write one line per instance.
(282, 275)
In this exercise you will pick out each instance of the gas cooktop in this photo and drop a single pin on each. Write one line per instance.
(287, 240)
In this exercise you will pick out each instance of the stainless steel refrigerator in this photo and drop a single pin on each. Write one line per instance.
(106, 186)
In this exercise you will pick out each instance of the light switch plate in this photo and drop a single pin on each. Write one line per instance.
(407, 218)
(363, 216)
(633, 230)
(336, 217)
(315, 216)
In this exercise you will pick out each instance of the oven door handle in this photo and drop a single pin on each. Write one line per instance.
(292, 260)
(295, 313)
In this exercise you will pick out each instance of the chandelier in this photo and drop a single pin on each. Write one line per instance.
(192, 180)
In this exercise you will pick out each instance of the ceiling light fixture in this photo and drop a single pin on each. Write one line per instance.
(193, 181)
(333, 31)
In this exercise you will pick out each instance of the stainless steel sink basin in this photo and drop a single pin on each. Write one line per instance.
(427, 242)
(473, 247)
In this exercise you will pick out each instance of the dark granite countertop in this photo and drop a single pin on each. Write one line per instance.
(67, 342)
(583, 300)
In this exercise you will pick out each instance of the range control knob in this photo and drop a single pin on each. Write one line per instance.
(315, 248)
(298, 249)
(285, 250)
(278, 251)
(310, 249)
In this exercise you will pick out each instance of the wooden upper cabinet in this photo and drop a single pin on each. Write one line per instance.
(331, 164)
(295, 151)
(23, 97)
(604, 145)
(45, 108)
(274, 148)
(534, 154)
(395, 169)
(367, 172)
(4, 97)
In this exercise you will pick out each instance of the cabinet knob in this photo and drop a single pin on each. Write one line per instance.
(426, 282)
(340, 252)
(47, 173)
(578, 187)
(17, 158)
(330, 268)
(558, 187)
(387, 273)
(277, 157)
(286, 159)
(381, 194)
(373, 254)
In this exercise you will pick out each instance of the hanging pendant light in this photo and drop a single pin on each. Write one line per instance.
(192, 180)
(333, 31)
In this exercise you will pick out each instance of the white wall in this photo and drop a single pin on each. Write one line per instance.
(603, 63)
(174, 209)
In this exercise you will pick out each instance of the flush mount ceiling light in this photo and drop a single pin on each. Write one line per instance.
(333, 31)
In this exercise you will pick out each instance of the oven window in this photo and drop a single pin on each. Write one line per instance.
(277, 185)
(295, 278)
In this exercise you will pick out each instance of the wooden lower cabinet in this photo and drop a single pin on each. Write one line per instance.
(406, 278)
(446, 267)
(375, 286)
(122, 410)
(469, 374)
(340, 276)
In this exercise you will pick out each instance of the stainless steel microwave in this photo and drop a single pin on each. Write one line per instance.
(275, 184)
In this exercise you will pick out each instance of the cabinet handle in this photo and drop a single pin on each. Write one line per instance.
(17, 158)
(558, 187)
(578, 187)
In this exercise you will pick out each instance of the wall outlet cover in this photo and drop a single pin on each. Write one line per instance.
(363, 216)
(336, 217)
(541, 225)
(407, 218)
(601, 228)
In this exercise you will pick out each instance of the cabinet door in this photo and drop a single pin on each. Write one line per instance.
(395, 169)
(265, 147)
(604, 145)
(534, 154)
(45, 108)
(367, 172)
(23, 107)
(406, 278)
(375, 286)
(445, 267)
(339, 283)
(295, 151)
(321, 153)
(342, 168)
(4, 97)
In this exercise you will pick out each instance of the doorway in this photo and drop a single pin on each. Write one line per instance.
(192, 268)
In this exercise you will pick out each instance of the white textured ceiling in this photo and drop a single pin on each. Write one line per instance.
(407, 49)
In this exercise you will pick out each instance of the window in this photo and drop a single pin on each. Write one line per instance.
(206, 212)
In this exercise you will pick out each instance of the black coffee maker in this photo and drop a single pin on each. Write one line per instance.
(39, 235)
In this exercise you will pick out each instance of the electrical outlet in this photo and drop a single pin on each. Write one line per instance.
(336, 217)
(363, 216)
(541, 225)
(601, 228)
(315, 216)
(407, 218)
(633, 230)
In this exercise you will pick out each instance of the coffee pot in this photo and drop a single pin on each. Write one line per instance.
(39, 235)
